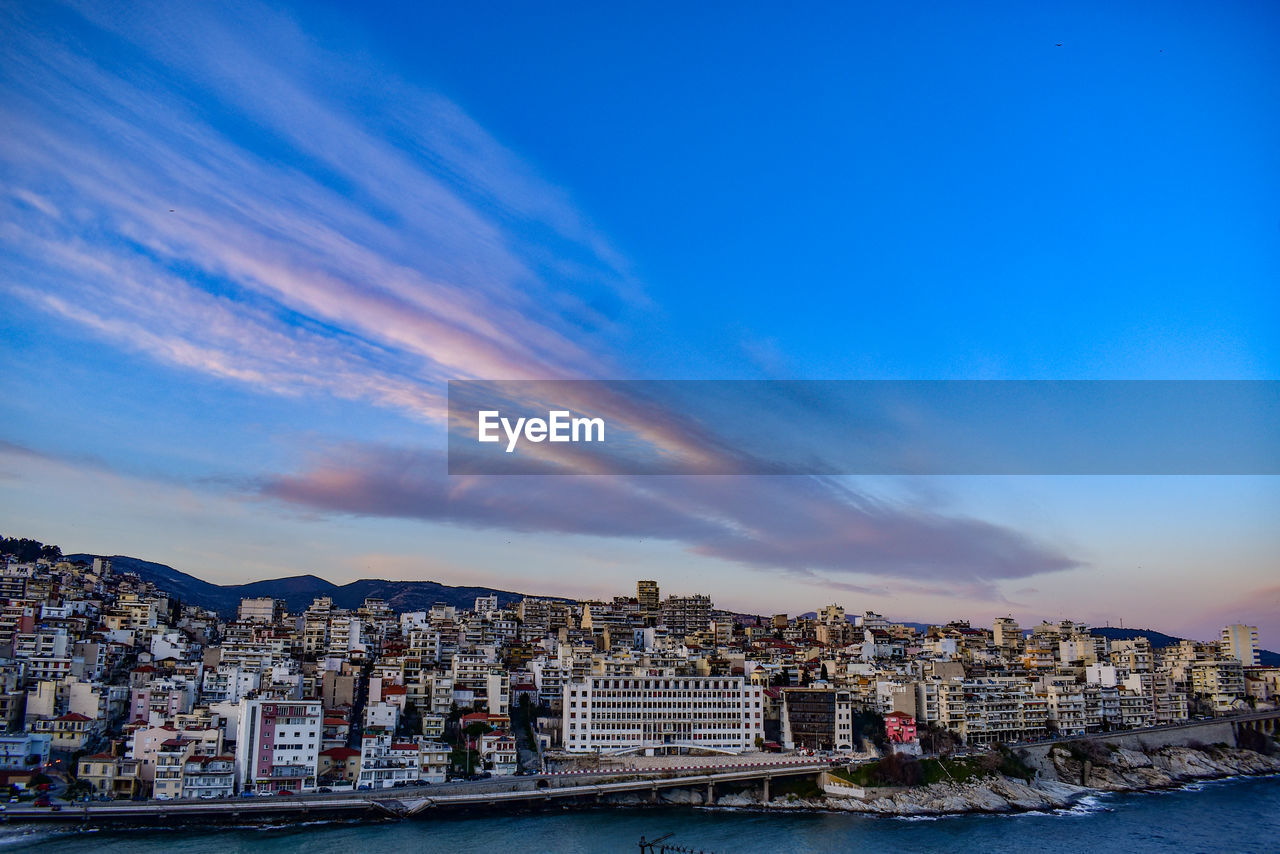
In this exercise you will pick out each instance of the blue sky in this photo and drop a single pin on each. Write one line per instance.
(243, 251)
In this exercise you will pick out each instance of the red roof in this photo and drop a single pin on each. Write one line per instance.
(335, 721)
(394, 689)
(74, 716)
(404, 746)
(340, 752)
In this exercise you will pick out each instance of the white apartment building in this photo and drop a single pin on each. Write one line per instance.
(385, 762)
(228, 683)
(1241, 643)
(208, 777)
(985, 710)
(662, 714)
(261, 609)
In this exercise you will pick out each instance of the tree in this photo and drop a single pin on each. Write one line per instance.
(27, 550)
(475, 729)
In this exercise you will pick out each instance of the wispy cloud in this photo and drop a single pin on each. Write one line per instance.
(263, 212)
(181, 185)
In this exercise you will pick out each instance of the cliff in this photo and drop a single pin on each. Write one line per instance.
(1076, 773)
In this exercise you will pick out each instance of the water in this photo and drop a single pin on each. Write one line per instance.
(1227, 815)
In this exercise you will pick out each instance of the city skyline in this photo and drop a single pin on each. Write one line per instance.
(244, 255)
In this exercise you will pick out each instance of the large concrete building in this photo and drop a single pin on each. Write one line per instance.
(662, 714)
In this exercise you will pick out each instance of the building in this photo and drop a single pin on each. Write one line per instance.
(647, 597)
(498, 753)
(1220, 682)
(662, 714)
(384, 762)
(113, 776)
(899, 728)
(69, 732)
(279, 744)
(24, 750)
(985, 710)
(171, 762)
(209, 777)
(98, 772)
(339, 765)
(434, 760)
(686, 615)
(1008, 637)
(816, 719)
(1241, 643)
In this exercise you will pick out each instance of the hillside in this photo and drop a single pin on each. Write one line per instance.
(298, 590)
(1159, 640)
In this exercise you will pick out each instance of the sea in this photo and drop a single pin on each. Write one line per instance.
(1232, 815)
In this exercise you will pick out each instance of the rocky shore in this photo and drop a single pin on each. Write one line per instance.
(1068, 776)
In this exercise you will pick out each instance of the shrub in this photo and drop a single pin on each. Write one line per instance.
(1088, 751)
(897, 770)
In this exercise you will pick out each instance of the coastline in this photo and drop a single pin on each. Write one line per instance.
(1122, 770)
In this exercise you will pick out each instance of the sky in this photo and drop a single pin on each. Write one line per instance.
(244, 248)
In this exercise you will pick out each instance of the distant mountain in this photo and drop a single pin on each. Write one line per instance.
(298, 590)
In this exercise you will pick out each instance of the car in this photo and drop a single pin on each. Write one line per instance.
(13, 799)
(365, 787)
(248, 793)
(43, 802)
(324, 790)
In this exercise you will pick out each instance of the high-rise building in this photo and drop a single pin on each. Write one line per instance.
(279, 744)
(1241, 642)
(1008, 636)
(687, 615)
(647, 595)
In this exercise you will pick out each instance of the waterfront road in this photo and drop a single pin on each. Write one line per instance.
(399, 803)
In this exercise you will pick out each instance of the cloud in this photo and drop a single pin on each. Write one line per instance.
(801, 525)
(230, 208)
(235, 201)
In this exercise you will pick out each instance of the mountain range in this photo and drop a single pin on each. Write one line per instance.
(298, 590)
